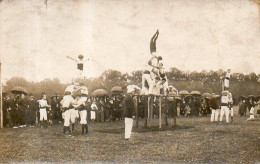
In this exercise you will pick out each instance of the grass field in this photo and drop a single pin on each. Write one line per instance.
(193, 140)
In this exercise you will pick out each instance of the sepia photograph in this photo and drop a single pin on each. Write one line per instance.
(130, 81)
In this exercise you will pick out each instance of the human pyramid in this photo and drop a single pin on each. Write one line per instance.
(154, 82)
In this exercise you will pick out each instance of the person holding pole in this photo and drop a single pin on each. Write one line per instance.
(129, 112)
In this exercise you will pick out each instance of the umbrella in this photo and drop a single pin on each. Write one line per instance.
(251, 96)
(242, 98)
(183, 92)
(216, 96)
(172, 93)
(19, 90)
(100, 92)
(117, 89)
(195, 93)
(207, 95)
(178, 98)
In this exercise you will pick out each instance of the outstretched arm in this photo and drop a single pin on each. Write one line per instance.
(71, 58)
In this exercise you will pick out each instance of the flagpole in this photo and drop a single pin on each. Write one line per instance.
(1, 98)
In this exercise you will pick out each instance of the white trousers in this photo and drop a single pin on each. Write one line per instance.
(128, 127)
(145, 91)
(76, 113)
(43, 114)
(224, 110)
(83, 117)
(226, 83)
(251, 113)
(69, 116)
(92, 115)
(232, 112)
(214, 115)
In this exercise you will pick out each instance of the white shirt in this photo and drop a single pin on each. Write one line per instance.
(81, 101)
(67, 101)
(71, 88)
(84, 90)
(94, 106)
(43, 103)
(224, 99)
(227, 75)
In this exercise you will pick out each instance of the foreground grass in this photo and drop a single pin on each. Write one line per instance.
(193, 140)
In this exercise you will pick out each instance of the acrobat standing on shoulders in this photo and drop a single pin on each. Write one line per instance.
(226, 80)
(80, 64)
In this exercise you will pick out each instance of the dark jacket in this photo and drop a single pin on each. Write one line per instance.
(214, 104)
(128, 107)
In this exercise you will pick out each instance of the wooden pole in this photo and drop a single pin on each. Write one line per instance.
(160, 112)
(1, 98)
(145, 111)
(151, 106)
(136, 110)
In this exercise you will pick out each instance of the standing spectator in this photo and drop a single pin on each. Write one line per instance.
(242, 108)
(15, 111)
(182, 108)
(94, 108)
(128, 113)
(6, 111)
(197, 106)
(214, 109)
(23, 110)
(31, 115)
(251, 107)
(55, 107)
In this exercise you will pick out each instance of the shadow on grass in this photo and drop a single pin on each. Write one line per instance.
(144, 129)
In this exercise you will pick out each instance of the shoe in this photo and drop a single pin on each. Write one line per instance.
(15, 127)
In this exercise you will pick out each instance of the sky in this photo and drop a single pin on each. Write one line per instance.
(194, 35)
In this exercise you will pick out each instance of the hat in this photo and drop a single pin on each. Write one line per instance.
(159, 58)
(80, 56)
(84, 92)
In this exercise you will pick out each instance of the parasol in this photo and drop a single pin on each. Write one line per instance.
(195, 93)
(216, 96)
(117, 89)
(183, 93)
(19, 90)
(99, 93)
(207, 95)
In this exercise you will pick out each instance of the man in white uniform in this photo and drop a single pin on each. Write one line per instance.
(43, 105)
(129, 112)
(81, 106)
(226, 80)
(69, 112)
(224, 106)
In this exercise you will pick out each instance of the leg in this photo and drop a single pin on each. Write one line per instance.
(227, 114)
(216, 114)
(212, 115)
(128, 127)
(66, 121)
(232, 114)
(221, 113)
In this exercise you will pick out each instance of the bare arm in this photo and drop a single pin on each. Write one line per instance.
(71, 58)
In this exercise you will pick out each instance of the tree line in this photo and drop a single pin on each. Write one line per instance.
(203, 81)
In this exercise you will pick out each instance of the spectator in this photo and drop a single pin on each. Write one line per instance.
(182, 108)
(31, 114)
(197, 106)
(242, 108)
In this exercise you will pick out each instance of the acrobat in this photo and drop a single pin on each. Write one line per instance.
(80, 64)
